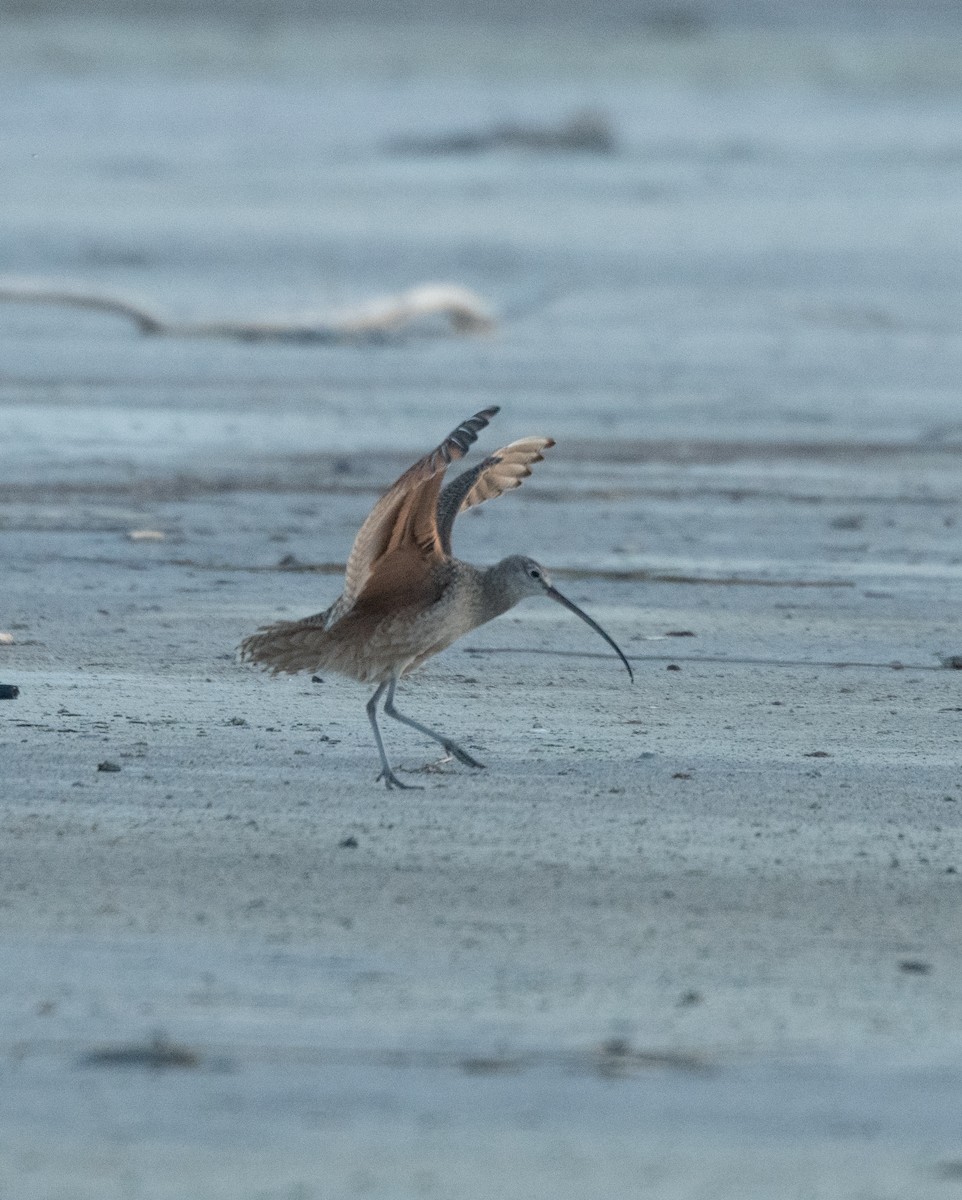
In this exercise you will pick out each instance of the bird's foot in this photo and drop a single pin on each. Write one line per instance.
(392, 781)
(462, 755)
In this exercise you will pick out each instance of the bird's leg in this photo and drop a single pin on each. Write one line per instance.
(390, 779)
(451, 747)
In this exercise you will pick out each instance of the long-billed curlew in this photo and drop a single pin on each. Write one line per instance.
(406, 597)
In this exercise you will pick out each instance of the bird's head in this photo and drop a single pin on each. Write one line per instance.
(522, 577)
(519, 577)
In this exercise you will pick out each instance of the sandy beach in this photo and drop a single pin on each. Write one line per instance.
(698, 936)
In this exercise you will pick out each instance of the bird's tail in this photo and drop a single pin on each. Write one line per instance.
(288, 646)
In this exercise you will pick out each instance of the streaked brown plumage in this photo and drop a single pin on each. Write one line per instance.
(406, 597)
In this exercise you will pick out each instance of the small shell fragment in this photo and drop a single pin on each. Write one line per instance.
(6, 639)
(146, 535)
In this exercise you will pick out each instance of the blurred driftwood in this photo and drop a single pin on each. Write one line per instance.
(585, 132)
(381, 317)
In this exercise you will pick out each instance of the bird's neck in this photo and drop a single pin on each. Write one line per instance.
(496, 598)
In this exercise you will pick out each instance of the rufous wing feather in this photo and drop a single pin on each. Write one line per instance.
(405, 518)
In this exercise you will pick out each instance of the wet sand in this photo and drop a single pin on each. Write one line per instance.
(695, 936)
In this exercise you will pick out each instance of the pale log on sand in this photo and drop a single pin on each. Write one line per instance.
(384, 317)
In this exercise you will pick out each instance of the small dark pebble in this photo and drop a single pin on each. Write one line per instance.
(953, 662)
(348, 843)
(679, 633)
(682, 775)
(158, 1053)
(673, 667)
(108, 766)
(915, 966)
(316, 679)
(816, 754)
(236, 721)
(8, 691)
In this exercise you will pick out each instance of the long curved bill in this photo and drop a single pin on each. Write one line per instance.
(556, 595)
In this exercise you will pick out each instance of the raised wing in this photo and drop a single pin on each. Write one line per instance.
(501, 472)
(403, 524)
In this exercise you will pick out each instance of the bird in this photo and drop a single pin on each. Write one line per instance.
(406, 597)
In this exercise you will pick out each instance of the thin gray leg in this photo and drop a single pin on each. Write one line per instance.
(390, 779)
(451, 747)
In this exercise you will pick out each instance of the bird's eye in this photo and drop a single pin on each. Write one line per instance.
(534, 572)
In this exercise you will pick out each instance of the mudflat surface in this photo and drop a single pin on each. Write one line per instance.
(698, 936)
